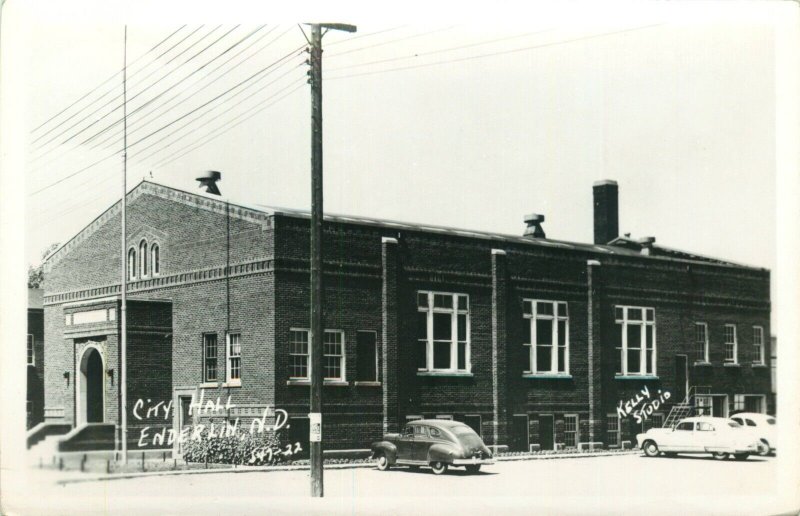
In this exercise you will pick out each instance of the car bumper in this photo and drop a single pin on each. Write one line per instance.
(474, 461)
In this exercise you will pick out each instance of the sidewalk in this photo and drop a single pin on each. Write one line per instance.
(75, 477)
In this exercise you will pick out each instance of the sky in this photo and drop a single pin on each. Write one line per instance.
(470, 122)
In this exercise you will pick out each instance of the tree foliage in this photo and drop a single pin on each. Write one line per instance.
(36, 274)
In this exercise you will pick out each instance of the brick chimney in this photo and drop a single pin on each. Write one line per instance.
(606, 211)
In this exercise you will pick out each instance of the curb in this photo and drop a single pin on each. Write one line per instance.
(253, 469)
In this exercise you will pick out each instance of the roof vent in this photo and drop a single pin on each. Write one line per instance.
(534, 222)
(647, 244)
(209, 181)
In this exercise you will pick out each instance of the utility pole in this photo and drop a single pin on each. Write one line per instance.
(315, 415)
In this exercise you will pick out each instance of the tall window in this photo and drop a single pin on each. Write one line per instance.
(546, 332)
(443, 332)
(635, 337)
(366, 356)
(298, 355)
(31, 355)
(333, 355)
(612, 429)
(131, 263)
(234, 357)
(571, 430)
(701, 342)
(758, 345)
(731, 351)
(155, 259)
(209, 357)
(143, 258)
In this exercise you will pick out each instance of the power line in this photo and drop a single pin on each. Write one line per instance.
(101, 160)
(120, 95)
(404, 38)
(181, 80)
(144, 119)
(110, 91)
(107, 80)
(522, 49)
(365, 35)
(204, 139)
(439, 51)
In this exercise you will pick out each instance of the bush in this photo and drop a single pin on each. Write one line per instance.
(260, 449)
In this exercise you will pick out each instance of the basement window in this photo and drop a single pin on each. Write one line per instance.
(443, 332)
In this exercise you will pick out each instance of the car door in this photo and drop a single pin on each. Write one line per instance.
(421, 444)
(681, 439)
(405, 443)
(708, 438)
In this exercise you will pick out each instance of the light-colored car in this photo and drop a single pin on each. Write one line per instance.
(718, 436)
(759, 426)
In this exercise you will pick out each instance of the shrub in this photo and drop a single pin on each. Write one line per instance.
(243, 448)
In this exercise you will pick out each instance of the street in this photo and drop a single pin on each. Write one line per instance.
(598, 485)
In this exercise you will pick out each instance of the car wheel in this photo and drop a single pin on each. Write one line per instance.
(763, 448)
(472, 469)
(720, 455)
(438, 467)
(650, 448)
(382, 462)
(741, 456)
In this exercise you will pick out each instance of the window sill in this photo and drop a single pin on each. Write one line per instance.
(232, 383)
(332, 383)
(209, 385)
(703, 363)
(456, 374)
(547, 376)
(732, 364)
(367, 384)
(635, 377)
(758, 365)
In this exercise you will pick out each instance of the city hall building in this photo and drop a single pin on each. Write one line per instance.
(534, 342)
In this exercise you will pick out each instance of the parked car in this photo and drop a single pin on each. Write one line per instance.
(759, 426)
(721, 437)
(433, 442)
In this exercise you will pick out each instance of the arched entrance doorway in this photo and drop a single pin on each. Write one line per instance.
(91, 387)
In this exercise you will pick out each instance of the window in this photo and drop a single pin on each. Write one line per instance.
(703, 405)
(701, 342)
(443, 332)
(31, 355)
(705, 427)
(366, 356)
(131, 263)
(333, 355)
(686, 426)
(758, 345)
(658, 420)
(635, 337)
(143, 258)
(612, 429)
(730, 344)
(298, 355)
(738, 402)
(234, 357)
(571, 430)
(155, 259)
(435, 432)
(210, 357)
(547, 334)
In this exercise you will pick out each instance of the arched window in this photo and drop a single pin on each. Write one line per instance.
(155, 263)
(143, 258)
(131, 263)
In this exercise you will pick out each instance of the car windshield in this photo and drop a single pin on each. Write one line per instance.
(734, 424)
(770, 420)
(466, 435)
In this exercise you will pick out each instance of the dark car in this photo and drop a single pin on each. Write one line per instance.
(433, 442)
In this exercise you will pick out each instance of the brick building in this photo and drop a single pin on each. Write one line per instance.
(34, 397)
(532, 341)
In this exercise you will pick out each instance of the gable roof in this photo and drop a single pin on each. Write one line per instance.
(258, 213)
